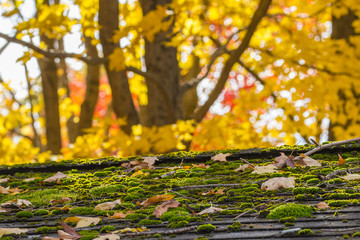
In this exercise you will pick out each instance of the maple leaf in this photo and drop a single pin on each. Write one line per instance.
(243, 167)
(270, 168)
(278, 182)
(322, 205)
(162, 208)
(107, 205)
(210, 210)
(284, 160)
(155, 199)
(220, 157)
(341, 160)
(56, 177)
(351, 177)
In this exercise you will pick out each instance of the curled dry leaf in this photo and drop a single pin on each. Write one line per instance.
(87, 221)
(243, 167)
(29, 179)
(271, 168)
(64, 235)
(4, 231)
(351, 177)
(107, 205)
(162, 208)
(68, 230)
(322, 205)
(11, 191)
(280, 161)
(210, 210)
(56, 177)
(20, 203)
(220, 157)
(4, 180)
(156, 199)
(278, 182)
(341, 160)
(50, 238)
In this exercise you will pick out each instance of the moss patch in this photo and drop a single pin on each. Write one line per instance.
(290, 210)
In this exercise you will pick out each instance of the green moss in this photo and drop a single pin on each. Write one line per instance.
(336, 196)
(356, 235)
(178, 224)
(133, 197)
(288, 224)
(175, 214)
(41, 212)
(81, 211)
(305, 232)
(105, 190)
(212, 181)
(43, 230)
(235, 227)
(102, 173)
(341, 203)
(135, 217)
(135, 190)
(146, 222)
(7, 238)
(287, 219)
(313, 181)
(346, 236)
(206, 228)
(24, 214)
(88, 234)
(302, 190)
(42, 197)
(107, 229)
(290, 210)
(335, 181)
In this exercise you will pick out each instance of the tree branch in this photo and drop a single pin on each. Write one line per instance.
(234, 57)
(51, 53)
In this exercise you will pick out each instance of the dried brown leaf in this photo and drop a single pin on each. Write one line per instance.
(351, 177)
(66, 236)
(280, 161)
(278, 182)
(109, 236)
(201, 165)
(243, 167)
(220, 157)
(210, 210)
(29, 179)
(162, 208)
(69, 230)
(150, 160)
(107, 205)
(322, 205)
(117, 215)
(4, 180)
(87, 221)
(4, 231)
(155, 199)
(310, 162)
(270, 168)
(56, 177)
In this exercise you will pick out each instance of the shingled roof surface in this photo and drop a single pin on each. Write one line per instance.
(186, 195)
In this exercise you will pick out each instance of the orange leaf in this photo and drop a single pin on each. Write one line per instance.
(117, 215)
(155, 199)
(341, 160)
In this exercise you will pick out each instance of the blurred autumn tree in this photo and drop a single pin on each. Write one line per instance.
(154, 68)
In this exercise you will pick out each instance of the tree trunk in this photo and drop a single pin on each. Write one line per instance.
(122, 102)
(92, 89)
(161, 62)
(49, 84)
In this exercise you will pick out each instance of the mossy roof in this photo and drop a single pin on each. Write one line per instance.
(195, 181)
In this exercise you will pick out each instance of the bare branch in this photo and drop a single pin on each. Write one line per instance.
(4, 47)
(51, 53)
(234, 57)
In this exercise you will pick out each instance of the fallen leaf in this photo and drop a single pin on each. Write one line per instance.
(107, 205)
(29, 179)
(61, 200)
(278, 182)
(322, 205)
(68, 231)
(155, 199)
(56, 177)
(341, 160)
(4, 180)
(310, 162)
(271, 168)
(210, 210)
(108, 237)
(162, 208)
(150, 160)
(72, 219)
(4, 231)
(186, 167)
(50, 238)
(280, 161)
(220, 157)
(212, 191)
(4, 190)
(201, 165)
(19, 203)
(243, 167)
(350, 177)
(132, 230)
(117, 215)
(87, 221)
